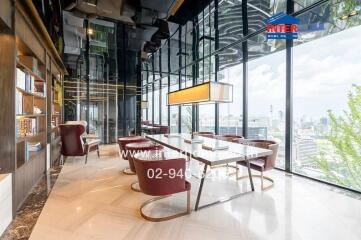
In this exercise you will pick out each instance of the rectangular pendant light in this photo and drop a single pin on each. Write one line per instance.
(208, 92)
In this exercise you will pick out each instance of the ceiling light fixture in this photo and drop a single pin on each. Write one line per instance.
(208, 92)
(90, 31)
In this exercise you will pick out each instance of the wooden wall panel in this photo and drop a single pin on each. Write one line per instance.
(27, 176)
(6, 12)
(7, 103)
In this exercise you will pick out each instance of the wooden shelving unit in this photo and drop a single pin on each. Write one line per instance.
(26, 48)
(56, 115)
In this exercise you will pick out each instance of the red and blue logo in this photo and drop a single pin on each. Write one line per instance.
(282, 26)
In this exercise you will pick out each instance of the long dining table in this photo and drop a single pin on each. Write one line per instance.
(211, 152)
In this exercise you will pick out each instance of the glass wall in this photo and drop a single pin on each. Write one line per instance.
(150, 102)
(324, 68)
(156, 103)
(231, 114)
(164, 107)
(267, 100)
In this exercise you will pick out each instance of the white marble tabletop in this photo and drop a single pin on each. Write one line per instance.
(235, 151)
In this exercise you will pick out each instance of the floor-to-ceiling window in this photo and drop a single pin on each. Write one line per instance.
(206, 46)
(327, 70)
(231, 71)
(324, 67)
(150, 102)
(164, 108)
(267, 92)
(185, 57)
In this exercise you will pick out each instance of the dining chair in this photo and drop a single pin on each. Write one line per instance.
(138, 147)
(261, 164)
(72, 143)
(164, 130)
(122, 141)
(228, 138)
(204, 134)
(149, 164)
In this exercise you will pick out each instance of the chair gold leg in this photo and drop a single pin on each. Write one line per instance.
(189, 201)
(161, 219)
(134, 188)
(262, 177)
(127, 171)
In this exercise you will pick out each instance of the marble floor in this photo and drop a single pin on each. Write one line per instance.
(94, 201)
(27, 216)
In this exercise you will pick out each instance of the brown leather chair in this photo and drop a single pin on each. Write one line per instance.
(204, 134)
(138, 147)
(72, 144)
(122, 141)
(261, 164)
(147, 165)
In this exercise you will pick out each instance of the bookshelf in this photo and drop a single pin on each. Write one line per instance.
(31, 77)
(30, 108)
(56, 115)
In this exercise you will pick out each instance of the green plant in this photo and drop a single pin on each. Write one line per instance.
(342, 165)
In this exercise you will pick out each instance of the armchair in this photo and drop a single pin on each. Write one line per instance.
(164, 186)
(261, 164)
(72, 144)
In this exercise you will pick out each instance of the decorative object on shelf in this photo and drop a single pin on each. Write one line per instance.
(208, 92)
(37, 110)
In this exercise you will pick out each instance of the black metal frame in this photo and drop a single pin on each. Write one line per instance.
(87, 75)
(244, 42)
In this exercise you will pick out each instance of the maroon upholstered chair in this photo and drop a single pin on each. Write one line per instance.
(164, 130)
(123, 153)
(204, 134)
(261, 164)
(148, 167)
(72, 144)
(228, 138)
(138, 147)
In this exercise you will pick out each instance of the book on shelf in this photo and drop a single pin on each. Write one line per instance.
(19, 103)
(25, 81)
(20, 79)
(27, 127)
(55, 120)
